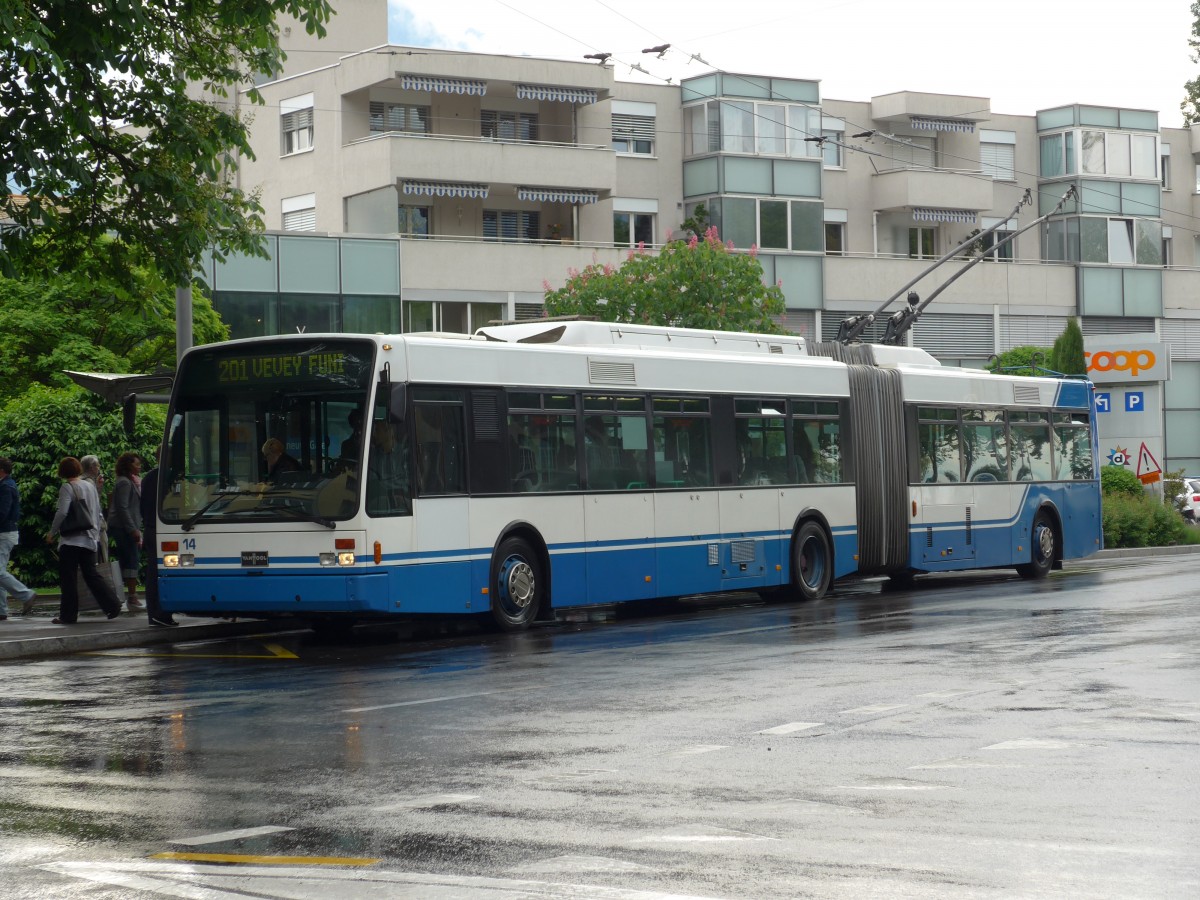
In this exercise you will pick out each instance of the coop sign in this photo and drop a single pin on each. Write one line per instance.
(1124, 363)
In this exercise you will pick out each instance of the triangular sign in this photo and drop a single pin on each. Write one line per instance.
(1148, 469)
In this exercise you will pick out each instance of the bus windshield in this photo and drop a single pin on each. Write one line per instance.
(267, 432)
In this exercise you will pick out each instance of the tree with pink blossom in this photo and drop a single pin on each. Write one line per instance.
(696, 283)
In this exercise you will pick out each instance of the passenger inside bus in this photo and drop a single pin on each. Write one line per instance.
(388, 486)
(278, 461)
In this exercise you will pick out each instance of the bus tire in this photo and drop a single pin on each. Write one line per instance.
(518, 585)
(812, 562)
(1044, 547)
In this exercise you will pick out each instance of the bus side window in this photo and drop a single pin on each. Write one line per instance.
(440, 446)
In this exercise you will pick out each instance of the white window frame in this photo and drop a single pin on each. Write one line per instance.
(633, 127)
(296, 131)
(998, 154)
(299, 213)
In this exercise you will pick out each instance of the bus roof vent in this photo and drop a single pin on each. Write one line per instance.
(607, 371)
(1027, 393)
(775, 348)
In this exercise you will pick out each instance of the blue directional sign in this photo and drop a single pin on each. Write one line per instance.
(1135, 401)
(1103, 402)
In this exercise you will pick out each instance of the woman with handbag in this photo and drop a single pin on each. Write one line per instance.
(77, 525)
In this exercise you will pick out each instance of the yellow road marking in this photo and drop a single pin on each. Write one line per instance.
(277, 652)
(269, 860)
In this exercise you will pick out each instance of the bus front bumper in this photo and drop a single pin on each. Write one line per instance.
(201, 594)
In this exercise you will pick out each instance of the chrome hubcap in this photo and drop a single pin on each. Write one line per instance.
(1045, 542)
(519, 582)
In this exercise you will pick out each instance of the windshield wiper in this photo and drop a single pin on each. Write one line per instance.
(195, 517)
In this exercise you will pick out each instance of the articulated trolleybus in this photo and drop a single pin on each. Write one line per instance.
(538, 466)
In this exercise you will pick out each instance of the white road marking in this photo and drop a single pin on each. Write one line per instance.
(790, 727)
(428, 801)
(700, 834)
(582, 864)
(944, 695)
(230, 835)
(892, 786)
(448, 697)
(698, 749)
(966, 763)
(1032, 744)
(188, 881)
(871, 710)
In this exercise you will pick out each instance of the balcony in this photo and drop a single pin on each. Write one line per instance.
(932, 188)
(395, 156)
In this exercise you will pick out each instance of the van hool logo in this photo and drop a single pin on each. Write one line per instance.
(1131, 361)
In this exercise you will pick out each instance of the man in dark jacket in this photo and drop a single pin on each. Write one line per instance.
(149, 509)
(10, 516)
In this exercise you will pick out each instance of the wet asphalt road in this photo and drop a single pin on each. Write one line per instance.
(977, 736)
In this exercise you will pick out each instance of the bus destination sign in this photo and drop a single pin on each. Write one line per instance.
(281, 367)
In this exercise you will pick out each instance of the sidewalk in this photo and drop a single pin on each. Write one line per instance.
(28, 637)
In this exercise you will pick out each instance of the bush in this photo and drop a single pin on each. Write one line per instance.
(1119, 480)
(1141, 521)
(39, 428)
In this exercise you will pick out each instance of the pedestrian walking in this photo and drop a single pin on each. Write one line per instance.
(149, 507)
(125, 522)
(92, 473)
(76, 523)
(10, 517)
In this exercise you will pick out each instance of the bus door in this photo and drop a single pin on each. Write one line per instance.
(618, 513)
(945, 504)
(441, 548)
(687, 514)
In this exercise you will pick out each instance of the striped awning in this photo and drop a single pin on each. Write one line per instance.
(923, 123)
(556, 195)
(961, 216)
(443, 85)
(446, 189)
(557, 94)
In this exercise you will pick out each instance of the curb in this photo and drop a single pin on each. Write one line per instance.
(87, 637)
(1173, 550)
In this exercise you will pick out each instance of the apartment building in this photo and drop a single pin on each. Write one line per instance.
(407, 189)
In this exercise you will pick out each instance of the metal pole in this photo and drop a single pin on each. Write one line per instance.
(183, 319)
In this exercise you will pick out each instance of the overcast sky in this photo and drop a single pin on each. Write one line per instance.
(1024, 55)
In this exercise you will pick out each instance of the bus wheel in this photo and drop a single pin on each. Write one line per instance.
(517, 585)
(1043, 551)
(812, 562)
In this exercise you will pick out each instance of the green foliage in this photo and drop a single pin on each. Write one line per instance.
(104, 133)
(1024, 360)
(42, 426)
(690, 284)
(1141, 521)
(1066, 356)
(85, 320)
(1119, 481)
(1173, 484)
(1191, 102)
(698, 222)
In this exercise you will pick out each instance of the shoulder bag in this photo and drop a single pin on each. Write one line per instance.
(77, 520)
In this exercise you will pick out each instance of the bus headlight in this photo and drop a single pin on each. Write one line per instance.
(171, 560)
(346, 558)
(328, 559)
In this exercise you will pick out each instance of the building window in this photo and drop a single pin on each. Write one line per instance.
(1167, 252)
(997, 154)
(633, 134)
(1004, 253)
(835, 238)
(300, 213)
(831, 149)
(910, 152)
(921, 243)
(631, 229)
(1119, 154)
(404, 117)
(517, 128)
(1164, 164)
(296, 124)
(512, 226)
(414, 221)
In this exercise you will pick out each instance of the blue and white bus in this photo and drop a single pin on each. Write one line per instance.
(534, 467)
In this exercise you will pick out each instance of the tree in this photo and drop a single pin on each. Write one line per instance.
(1025, 360)
(110, 124)
(1066, 356)
(1191, 102)
(699, 283)
(84, 319)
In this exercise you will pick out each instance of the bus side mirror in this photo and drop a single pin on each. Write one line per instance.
(398, 402)
(129, 414)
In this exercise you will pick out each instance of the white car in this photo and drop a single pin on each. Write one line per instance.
(1189, 500)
